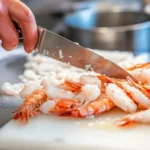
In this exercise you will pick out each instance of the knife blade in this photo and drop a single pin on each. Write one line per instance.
(64, 50)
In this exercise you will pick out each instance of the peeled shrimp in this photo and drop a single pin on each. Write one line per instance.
(84, 79)
(139, 117)
(57, 93)
(125, 93)
(30, 75)
(141, 72)
(98, 106)
(89, 93)
(75, 108)
(89, 96)
(70, 76)
(136, 95)
(31, 106)
(116, 94)
(51, 81)
(86, 93)
(143, 88)
(29, 89)
(60, 106)
(12, 89)
(88, 79)
(120, 98)
(65, 102)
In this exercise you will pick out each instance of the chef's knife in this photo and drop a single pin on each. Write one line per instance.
(64, 50)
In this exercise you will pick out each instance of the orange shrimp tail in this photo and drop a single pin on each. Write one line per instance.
(104, 78)
(124, 122)
(31, 106)
(67, 104)
(64, 106)
(73, 86)
(139, 66)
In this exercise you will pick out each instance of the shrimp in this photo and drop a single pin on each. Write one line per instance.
(58, 93)
(136, 95)
(65, 102)
(86, 93)
(120, 98)
(98, 106)
(75, 108)
(12, 89)
(51, 81)
(89, 79)
(137, 66)
(144, 89)
(113, 89)
(139, 117)
(89, 93)
(141, 72)
(83, 80)
(61, 106)
(62, 99)
(104, 82)
(110, 86)
(29, 89)
(72, 86)
(130, 91)
(31, 106)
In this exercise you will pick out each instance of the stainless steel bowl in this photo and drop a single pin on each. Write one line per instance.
(126, 31)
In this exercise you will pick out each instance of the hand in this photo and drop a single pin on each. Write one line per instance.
(17, 11)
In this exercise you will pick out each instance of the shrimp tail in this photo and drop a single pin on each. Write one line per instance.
(104, 79)
(137, 66)
(31, 106)
(64, 106)
(124, 121)
(138, 117)
(72, 86)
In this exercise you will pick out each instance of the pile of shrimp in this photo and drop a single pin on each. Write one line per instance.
(89, 94)
(52, 87)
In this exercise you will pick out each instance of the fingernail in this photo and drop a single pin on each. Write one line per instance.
(7, 47)
(29, 50)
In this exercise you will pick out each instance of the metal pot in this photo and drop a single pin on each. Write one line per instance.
(126, 31)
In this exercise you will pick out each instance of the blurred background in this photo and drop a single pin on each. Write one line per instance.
(98, 24)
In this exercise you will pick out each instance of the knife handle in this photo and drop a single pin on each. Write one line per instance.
(18, 30)
(21, 37)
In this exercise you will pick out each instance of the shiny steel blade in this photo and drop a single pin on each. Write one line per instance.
(63, 50)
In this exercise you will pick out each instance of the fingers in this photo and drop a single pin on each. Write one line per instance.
(24, 17)
(8, 33)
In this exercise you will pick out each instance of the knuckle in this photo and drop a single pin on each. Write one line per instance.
(28, 15)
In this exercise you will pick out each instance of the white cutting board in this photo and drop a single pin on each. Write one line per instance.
(53, 132)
